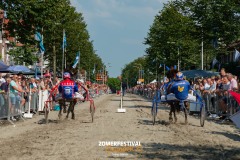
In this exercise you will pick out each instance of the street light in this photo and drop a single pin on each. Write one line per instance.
(140, 70)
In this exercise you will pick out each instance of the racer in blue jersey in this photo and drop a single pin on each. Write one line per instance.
(180, 87)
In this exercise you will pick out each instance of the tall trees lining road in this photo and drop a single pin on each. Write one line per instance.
(50, 17)
(181, 26)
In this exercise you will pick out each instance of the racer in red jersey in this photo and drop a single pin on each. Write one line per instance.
(67, 88)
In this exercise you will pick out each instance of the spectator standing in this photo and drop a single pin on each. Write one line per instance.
(13, 94)
(233, 83)
(2, 80)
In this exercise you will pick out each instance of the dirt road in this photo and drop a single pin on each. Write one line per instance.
(79, 139)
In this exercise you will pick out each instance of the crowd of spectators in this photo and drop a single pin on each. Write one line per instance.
(19, 87)
(215, 86)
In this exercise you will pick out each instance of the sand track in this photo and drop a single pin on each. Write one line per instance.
(79, 139)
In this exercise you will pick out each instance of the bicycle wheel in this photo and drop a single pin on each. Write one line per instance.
(202, 115)
(154, 112)
(92, 110)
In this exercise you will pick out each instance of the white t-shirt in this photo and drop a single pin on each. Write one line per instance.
(233, 84)
(2, 80)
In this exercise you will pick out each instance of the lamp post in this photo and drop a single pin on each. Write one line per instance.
(140, 70)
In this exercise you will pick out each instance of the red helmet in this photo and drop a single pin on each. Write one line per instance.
(66, 75)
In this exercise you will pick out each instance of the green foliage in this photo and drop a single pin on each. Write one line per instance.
(114, 84)
(178, 31)
(130, 73)
(50, 18)
(23, 55)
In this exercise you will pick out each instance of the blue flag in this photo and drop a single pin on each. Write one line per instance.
(167, 68)
(175, 67)
(38, 37)
(214, 61)
(236, 55)
(76, 60)
(42, 49)
(94, 68)
(64, 45)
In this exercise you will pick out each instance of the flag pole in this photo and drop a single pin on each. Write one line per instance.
(63, 45)
(42, 57)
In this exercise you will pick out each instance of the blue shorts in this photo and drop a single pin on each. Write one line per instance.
(14, 99)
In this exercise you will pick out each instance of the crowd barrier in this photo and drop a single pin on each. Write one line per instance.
(11, 108)
(222, 104)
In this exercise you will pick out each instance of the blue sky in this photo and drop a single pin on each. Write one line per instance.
(118, 28)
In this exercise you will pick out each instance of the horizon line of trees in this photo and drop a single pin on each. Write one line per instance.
(178, 32)
(50, 18)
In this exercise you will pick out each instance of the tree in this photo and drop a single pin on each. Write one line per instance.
(114, 84)
(50, 18)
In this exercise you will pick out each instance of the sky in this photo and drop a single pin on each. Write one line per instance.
(118, 28)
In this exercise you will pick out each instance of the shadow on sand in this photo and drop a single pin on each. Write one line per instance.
(172, 151)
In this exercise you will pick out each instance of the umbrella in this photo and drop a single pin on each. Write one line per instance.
(3, 67)
(19, 69)
(199, 73)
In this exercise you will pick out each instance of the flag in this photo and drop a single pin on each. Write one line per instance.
(76, 60)
(215, 61)
(236, 55)
(175, 67)
(64, 45)
(167, 68)
(160, 65)
(42, 49)
(94, 68)
(38, 37)
(219, 67)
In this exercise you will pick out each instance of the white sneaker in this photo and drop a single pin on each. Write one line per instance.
(13, 119)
